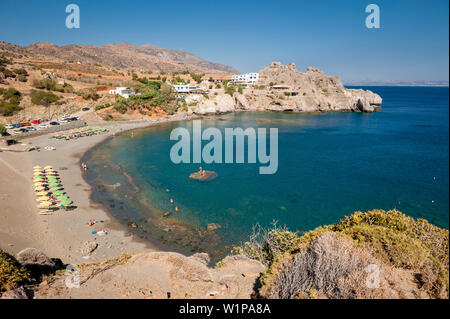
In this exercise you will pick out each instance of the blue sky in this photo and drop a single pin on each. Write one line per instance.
(412, 43)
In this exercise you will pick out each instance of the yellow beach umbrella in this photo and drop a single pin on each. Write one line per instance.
(43, 193)
(45, 205)
(43, 199)
(48, 167)
(40, 188)
(37, 166)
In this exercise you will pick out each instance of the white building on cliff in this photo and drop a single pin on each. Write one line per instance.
(125, 92)
(245, 78)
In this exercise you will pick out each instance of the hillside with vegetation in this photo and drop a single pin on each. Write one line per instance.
(29, 91)
(377, 254)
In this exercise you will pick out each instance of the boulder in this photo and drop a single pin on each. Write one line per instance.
(36, 261)
(203, 176)
(201, 257)
(88, 247)
(213, 227)
(18, 293)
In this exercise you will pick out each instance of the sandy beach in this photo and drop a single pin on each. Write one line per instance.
(62, 234)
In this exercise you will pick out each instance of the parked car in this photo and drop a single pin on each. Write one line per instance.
(43, 125)
(31, 128)
(36, 122)
(20, 131)
(54, 123)
(85, 109)
(9, 126)
(26, 124)
(16, 125)
(63, 121)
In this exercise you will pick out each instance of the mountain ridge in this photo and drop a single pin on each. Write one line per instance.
(120, 55)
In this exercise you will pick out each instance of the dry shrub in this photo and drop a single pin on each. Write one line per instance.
(330, 261)
(318, 269)
(265, 245)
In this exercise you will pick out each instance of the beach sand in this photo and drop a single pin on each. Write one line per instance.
(63, 234)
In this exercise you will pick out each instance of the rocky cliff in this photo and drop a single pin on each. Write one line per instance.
(284, 88)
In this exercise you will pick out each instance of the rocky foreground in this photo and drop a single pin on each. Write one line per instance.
(284, 88)
(376, 254)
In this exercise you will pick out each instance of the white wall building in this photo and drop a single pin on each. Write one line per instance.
(187, 88)
(246, 78)
(125, 92)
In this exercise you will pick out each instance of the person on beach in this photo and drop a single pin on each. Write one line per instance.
(171, 201)
(176, 209)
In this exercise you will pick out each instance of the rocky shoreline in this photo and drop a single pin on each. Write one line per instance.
(282, 88)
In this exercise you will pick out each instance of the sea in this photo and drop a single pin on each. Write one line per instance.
(329, 166)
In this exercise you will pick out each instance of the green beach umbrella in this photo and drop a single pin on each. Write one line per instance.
(65, 203)
(58, 192)
(62, 198)
(55, 189)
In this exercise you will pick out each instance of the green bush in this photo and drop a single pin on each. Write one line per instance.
(196, 77)
(8, 109)
(229, 90)
(43, 98)
(12, 274)
(122, 109)
(99, 107)
(21, 71)
(2, 129)
(22, 78)
(52, 85)
(143, 80)
(9, 101)
(8, 73)
(90, 94)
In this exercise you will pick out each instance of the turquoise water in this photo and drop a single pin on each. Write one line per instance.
(330, 165)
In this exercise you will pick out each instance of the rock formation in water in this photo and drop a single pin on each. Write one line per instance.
(284, 88)
(203, 176)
